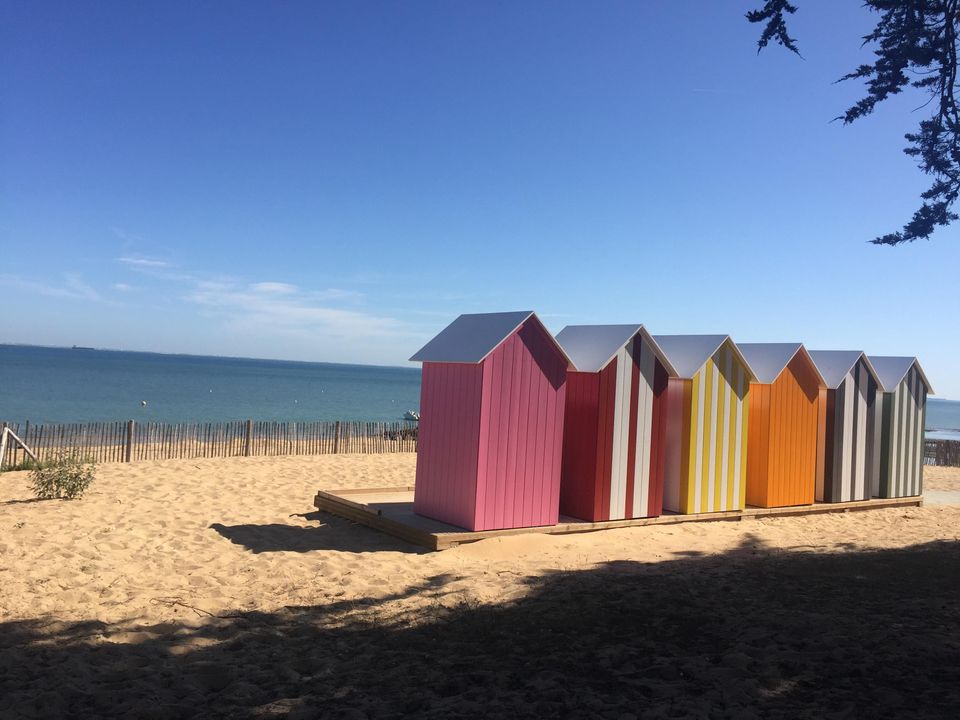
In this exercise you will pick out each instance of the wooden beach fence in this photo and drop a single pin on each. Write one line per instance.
(784, 420)
(707, 423)
(132, 441)
(848, 451)
(491, 428)
(905, 388)
(945, 453)
(614, 442)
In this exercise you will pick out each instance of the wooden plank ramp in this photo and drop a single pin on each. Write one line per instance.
(390, 510)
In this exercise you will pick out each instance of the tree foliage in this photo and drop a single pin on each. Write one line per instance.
(915, 46)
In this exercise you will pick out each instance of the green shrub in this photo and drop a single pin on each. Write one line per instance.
(65, 476)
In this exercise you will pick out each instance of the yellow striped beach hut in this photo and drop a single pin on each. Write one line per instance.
(707, 409)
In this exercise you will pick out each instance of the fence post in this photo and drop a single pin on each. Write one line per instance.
(336, 438)
(247, 439)
(129, 452)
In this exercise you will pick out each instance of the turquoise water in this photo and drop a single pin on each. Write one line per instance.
(65, 385)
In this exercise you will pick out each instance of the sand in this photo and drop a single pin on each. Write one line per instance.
(212, 588)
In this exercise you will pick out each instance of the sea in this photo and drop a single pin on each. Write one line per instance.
(77, 385)
(70, 385)
(943, 419)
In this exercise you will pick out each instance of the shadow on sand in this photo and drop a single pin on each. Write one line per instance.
(333, 533)
(753, 633)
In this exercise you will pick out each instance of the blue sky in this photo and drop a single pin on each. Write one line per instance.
(337, 181)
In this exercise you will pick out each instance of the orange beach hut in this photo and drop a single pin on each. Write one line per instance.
(784, 417)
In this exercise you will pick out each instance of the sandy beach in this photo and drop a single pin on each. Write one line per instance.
(211, 588)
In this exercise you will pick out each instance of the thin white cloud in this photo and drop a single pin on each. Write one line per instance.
(273, 288)
(73, 287)
(122, 287)
(335, 294)
(291, 310)
(143, 262)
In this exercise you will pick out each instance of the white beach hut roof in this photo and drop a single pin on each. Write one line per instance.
(892, 369)
(592, 347)
(768, 360)
(688, 353)
(470, 338)
(834, 365)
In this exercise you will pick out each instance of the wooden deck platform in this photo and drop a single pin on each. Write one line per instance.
(390, 510)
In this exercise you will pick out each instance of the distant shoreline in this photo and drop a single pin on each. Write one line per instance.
(210, 357)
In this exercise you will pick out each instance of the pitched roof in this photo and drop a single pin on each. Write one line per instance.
(891, 371)
(592, 347)
(834, 365)
(768, 360)
(470, 338)
(688, 353)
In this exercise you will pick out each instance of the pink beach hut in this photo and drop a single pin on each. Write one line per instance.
(491, 423)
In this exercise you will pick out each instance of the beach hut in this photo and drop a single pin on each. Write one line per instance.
(905, 389)
(848, 449)
(614, 424)
(491, 423)
(784, 418)
(707, 406)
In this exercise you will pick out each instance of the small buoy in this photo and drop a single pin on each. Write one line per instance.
(143, 403)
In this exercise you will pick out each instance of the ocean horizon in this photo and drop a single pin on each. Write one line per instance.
(74, 385)
(43, 384)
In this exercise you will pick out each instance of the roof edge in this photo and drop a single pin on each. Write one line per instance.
(659, 353)
(736, 350)
(532, 314)
(914, 361)
(820, 379)
(641, 330)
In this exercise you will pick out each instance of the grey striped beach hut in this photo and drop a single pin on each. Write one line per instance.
(905, 389)
(848, 442)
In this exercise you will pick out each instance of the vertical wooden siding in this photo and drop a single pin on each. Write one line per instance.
(659, 420)
(851, 440)
(521, 432)
(613, 450)
(710, 475)
(578, 476)
(901, 453)
(446, 484)
(676, 441)
(782, 438)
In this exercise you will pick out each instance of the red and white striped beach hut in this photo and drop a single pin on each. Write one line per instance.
(491, 423)
(613, 437)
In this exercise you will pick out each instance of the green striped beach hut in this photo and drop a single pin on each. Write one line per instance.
(905, 389)
(848, 444)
